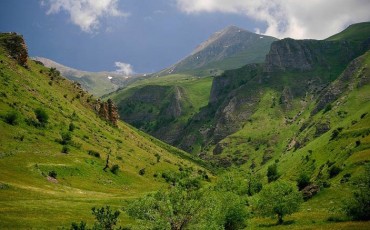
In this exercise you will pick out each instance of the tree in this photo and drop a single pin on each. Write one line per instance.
(180, 208)
(278, 199)
(106, 219)
(358, 207)
(174, 209)
(272, 173)
(222, 210)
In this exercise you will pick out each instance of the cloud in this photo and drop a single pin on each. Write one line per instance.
(289, 18)
(124, 68)
(85, 13)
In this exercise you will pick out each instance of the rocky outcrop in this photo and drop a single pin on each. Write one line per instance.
(16, 47)
(306, 55)
(310, 190)
(333, 91)
(108, 111)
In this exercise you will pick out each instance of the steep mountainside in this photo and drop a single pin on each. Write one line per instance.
(290, 83)
(230, 48)
(162, 106)
(97, 83)
(63, 152)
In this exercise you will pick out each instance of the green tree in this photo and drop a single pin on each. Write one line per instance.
(105, 218)
(278, 199)
(358, 207)
(174, 209)
(222, 210)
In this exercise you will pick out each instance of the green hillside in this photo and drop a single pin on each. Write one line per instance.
(162, 106)
(54, 147)
(357, 32)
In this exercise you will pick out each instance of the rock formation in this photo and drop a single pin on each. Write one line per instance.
(15, 45)
(108, 111)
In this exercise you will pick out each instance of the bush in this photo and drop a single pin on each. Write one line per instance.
(65, 149)
(105, 219)
(66, 138)
(41, 116)
(94, 153)
(272, 173)
(142, 171)
(334, 170)
(336, 133)
(11, 118)
(114, 169)
(52, 174)
(71, 127)
(302, 181)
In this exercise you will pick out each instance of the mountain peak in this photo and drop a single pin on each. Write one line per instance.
(233, 29)
(229, 48)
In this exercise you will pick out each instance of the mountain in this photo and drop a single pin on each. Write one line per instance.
(303, 111)
(97, 83)
(294, 75)
(161, 106)
(229, 48)
(56, 143)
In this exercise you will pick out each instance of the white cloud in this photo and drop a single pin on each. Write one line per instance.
(85, 13)
(124, 68)
(289, 18)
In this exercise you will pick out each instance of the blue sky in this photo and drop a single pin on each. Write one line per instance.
(150, 35)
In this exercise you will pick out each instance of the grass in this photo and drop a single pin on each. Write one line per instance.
(28, 154)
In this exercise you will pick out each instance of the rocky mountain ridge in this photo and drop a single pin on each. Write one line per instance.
(229, 48)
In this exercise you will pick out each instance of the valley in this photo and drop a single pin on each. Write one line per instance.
(196, 145)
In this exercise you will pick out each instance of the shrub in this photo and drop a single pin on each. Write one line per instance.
(11, 118)
(41, 116)
(272, 173)
(65, 149)
(114, 169)
(302, 181)
(336, 133)
(71, 127)
(66, 138)
(358, 143)
(142, 171)
(345, 178)
(52, 174)
(94, 153)
(334, 170)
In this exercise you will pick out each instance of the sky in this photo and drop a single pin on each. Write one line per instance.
(142, 36)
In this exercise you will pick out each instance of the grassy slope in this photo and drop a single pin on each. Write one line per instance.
(195, 93)
(356, 32)
(268, 133)
(27, 154)
(197, 89)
